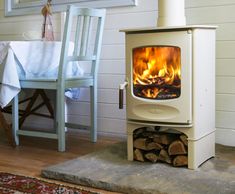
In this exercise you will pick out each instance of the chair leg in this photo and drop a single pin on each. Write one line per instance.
(60, 117)
(93, 104)
(15, 119)
(55, 111)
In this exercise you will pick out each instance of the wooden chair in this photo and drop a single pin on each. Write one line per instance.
(88, 33)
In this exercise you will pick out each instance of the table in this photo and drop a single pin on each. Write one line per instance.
(29, 59)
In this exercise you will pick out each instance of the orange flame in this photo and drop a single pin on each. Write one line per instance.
(155, 67)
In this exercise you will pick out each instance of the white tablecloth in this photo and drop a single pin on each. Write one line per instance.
(27, 59)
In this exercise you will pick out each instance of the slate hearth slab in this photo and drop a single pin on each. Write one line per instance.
(108, 169)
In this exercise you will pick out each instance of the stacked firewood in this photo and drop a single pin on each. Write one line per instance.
(154, 146)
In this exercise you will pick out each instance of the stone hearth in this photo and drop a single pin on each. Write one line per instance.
(108, 169)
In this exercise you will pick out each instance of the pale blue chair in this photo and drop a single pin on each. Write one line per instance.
(88, 32)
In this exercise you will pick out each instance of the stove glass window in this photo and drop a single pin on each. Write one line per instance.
(156, 72)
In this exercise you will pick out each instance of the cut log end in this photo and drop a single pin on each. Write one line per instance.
(151, 157)
(165, 139)
(138, 155)
(184, 139)
(176, 148)
(180, 160)
(164, 156)
(146, 144)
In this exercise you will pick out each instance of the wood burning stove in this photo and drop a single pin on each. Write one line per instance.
(170, 79)
(170, 87)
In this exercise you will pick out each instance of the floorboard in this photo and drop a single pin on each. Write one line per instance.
(34, 154)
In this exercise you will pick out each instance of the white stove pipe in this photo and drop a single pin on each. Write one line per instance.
(171, 13)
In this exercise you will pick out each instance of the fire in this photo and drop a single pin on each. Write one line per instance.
(156, 72)
(151, 93)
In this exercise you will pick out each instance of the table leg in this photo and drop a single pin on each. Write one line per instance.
(31, 107)
(29, 110)
(8, 130)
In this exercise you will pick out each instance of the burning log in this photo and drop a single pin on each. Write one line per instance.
(158, 86)
(155, 91)
(157, 79)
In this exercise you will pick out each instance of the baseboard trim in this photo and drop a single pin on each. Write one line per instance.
(225, 136)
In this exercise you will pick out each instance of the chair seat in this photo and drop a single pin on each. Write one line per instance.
(39, 79)
(54, 79)
(51, 82)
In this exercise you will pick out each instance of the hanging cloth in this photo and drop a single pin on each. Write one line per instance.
(47, 29)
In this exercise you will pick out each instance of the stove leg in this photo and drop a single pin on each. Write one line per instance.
(130, 155)
(130, 129)
(200, 150)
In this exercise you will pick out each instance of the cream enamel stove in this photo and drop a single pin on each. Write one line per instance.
(170, 82)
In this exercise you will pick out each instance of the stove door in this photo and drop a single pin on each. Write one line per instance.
(159, 73)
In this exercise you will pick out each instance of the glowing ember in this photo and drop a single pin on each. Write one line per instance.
(156, 72)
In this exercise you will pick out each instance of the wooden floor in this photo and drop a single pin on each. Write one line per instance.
(34, 154)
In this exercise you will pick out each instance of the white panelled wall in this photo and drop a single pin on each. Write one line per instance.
(112, 67)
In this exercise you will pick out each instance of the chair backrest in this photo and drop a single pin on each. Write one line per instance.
(89, 25)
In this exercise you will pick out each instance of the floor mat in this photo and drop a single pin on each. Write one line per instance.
(12, 184)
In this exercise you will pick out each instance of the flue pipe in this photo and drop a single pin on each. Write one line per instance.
(171, 13)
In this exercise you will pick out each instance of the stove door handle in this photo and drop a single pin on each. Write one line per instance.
(120, 99)
(121, 88)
